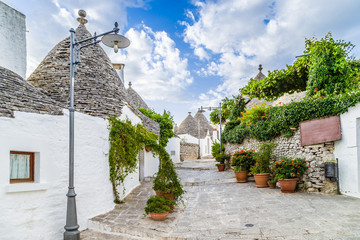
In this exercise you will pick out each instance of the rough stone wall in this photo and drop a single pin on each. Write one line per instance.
(315, 155)
(188, 151)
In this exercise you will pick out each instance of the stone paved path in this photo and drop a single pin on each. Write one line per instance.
(216, 207)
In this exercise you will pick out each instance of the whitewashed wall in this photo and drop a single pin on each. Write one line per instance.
(38, 210)
(205, 146)
(174, 146)
(12, 39)
(347, 150)
(188, 138)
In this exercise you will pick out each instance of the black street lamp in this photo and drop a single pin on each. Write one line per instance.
(110, 39)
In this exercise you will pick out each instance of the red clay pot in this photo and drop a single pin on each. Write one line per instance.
(241, 177)
(288, 185)
(261, 179)
(221, 167)
(159, 216)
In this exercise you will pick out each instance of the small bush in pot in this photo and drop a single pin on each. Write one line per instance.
(215, 149)
(261, 169)
(221, 158)
(158, 207)
(242, 160)
(287, 171)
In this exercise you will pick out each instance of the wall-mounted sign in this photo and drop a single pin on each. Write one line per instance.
(320, 130)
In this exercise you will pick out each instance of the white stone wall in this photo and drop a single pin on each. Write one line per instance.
(174, 145)
(347, 150)
(38, 210)
(188, 138)
(151, 164)
(13, 40)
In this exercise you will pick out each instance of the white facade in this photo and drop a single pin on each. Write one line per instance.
(12, 39)
(38, 210)
(188, 138)
(347, 150)
(173, 148)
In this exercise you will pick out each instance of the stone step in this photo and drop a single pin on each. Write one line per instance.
(94, 235)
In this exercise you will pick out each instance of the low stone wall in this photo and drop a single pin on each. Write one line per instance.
(315, 155)
(189, 151)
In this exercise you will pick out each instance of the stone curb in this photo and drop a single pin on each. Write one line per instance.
(229, 180)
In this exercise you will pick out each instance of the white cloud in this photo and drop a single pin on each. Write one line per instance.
(49, 22)
(154, 66)
(246, 33)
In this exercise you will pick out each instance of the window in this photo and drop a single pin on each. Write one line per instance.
(21, 167)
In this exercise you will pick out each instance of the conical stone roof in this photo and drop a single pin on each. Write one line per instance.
(98, 89)
(18, 95)
(204, 124)
(255, 101)
(188, 126)
(260, 75)
(135, 99)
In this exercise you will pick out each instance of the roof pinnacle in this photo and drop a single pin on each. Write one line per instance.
(82, 19)
(260, 68)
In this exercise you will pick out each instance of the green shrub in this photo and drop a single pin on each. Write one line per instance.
(263, 158)
(289, 168)
(156, 204)
(222, 157)
(243, 160)
(279, 119)
(215, 149)
(255, 114)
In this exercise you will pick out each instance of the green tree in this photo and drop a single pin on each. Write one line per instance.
(332, 70)
(325, 69)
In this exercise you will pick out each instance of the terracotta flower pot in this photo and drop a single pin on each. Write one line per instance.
(241, 177)
(288, 185)
(159, 216)
(221, 167)
(261, 179)
(272, 184)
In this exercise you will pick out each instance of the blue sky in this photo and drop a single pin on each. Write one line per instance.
(185, 54)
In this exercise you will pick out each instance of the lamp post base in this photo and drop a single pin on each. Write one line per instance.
(73, 235)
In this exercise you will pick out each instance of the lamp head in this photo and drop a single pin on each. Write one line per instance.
(115, 41)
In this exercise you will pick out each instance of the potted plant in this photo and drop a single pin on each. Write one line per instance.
(158, 207)
(287, 171)
(166, 183)
(261, 169)
(272, 183)
(242, 161)
(221, 158)
(164, 190)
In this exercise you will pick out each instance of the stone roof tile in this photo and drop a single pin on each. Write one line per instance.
(18, 95)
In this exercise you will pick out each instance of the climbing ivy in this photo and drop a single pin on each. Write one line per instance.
(126, 141)
(165, 122)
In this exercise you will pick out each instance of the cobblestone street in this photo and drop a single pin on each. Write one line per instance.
(216, 207)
